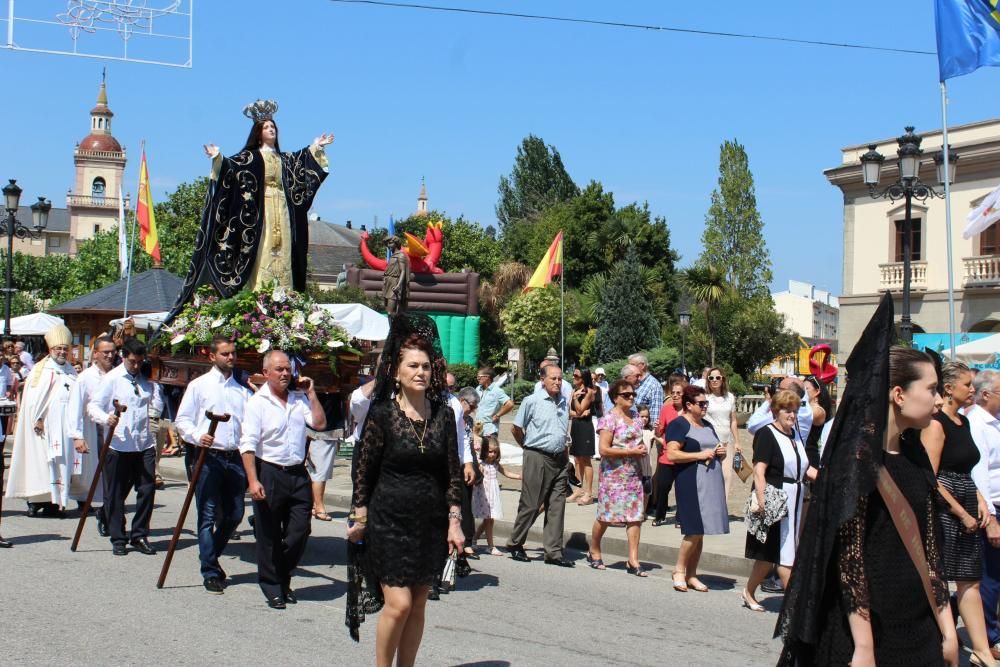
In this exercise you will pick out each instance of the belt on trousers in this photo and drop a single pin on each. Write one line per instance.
(297, 467)
(551, 455)
(224, 453)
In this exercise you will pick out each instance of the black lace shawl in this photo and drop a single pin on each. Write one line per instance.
(364, 595)
(850, 471)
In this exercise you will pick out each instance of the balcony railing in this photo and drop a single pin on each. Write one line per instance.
(982, 271)
(92, 202)
(892, 276)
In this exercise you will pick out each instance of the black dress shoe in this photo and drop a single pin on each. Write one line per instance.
(561, 562)
(213, 586)
(5, 544)
(277, 602)
(102, 527)
(290, 597)
(517, 553)
(659, 522)
(235, 537)
(34, 509)
(119, 550)
(433, 593)
(143, 546)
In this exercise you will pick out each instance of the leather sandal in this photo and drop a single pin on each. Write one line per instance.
(750, 603)
(679, 584)
(585, 499)
(695, 584)
(322, 516)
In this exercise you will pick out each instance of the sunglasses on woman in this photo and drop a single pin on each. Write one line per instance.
(714, 378)
(702, 404)
(627, 395)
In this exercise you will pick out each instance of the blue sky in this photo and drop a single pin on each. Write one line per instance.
(449, 97)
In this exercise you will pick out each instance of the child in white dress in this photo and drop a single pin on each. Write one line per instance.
(486, 496)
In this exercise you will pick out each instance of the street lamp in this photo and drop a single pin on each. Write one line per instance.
(684, 319)
(908, 186)
(12, 227)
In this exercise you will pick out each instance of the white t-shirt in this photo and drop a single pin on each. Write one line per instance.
(720, 410)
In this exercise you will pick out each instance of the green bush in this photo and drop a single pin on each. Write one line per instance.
(520, 389)
(465, 374)
(663, 361)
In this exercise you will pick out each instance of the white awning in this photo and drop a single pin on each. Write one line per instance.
(980, 351)
(36, 324)
(359, 321)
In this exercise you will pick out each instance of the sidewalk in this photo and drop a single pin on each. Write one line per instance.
(722, 554)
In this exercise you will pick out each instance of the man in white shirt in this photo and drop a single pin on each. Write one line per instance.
(27, 361)
(87, 438)
(273, 446)
(223, 481)
(762, 416)
(131, 461)
(985, 427)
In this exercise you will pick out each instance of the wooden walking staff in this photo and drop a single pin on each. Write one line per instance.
(216, 420)
(102, 455)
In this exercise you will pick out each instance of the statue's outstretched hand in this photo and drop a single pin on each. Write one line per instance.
(323, 140)
(211, 150)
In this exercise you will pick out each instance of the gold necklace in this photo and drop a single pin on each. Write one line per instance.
(420, 438)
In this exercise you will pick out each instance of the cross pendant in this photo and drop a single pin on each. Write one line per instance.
(421, 447)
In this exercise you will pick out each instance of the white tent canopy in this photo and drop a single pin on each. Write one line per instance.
(358, 320)
(980, 351)
(36, 324)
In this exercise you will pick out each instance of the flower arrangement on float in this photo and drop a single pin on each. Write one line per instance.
(258, 320)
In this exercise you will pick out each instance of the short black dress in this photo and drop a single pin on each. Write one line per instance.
(407, 490)
(961, 552)
(581, 431)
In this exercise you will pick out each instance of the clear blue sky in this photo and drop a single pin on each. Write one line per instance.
(416, 93)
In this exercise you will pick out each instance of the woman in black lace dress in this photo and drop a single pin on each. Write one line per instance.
(855, 596)
(407, 496)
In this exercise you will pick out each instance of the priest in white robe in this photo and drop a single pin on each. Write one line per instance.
(45, 467)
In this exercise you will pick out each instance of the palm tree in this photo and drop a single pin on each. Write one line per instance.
(709, 287)
(508, 280)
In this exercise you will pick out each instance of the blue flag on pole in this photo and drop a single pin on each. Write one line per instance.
(968, 36)
(392, 232)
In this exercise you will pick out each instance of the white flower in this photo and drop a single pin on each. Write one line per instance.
(335, 344)
(218, 323)
(279, 294)
(264, 346)
(298, 321)
(261, 308)
(180, 323)
(317, 316)
(177, 339)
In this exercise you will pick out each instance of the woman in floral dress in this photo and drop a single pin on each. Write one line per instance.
(619, 497)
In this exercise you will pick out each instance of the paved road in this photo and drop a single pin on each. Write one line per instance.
(92, 608)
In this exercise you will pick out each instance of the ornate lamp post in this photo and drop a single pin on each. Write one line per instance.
(684, 319)
(12, 227)
(908, 187)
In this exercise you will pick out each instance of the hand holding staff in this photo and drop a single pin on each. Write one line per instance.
(112, 423)
(215, 419)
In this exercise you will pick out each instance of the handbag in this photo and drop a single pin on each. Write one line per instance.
(741, 467)
(775, 509)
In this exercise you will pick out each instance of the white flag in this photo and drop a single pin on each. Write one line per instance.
(122, 237)
(984, 215)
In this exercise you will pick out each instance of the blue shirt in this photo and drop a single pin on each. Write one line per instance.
(545, 422)
(491, 400)
(650, 393)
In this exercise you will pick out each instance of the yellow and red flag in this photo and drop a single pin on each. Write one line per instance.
(144, 214)
(549, 267)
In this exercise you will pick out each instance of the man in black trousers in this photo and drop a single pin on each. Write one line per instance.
(131, 460)
(273, 447)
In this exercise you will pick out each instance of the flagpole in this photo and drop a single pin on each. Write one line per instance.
(131, 254)
(945, 148)
(562, 315)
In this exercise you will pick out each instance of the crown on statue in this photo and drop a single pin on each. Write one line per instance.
(260, 110)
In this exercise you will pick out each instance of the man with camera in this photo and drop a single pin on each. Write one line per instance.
(273, 447)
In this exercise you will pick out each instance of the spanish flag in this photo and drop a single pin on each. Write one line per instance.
(145, 215)
(549, 267)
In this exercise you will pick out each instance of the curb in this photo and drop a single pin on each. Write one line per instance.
(617, 547)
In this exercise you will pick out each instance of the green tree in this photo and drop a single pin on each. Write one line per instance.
(625, 324)
(755, 335)
(537, 180)
(709, 288)
(733, 236)
(531, 321)
(178, 219)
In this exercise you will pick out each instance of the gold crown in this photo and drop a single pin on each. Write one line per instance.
(260, 110)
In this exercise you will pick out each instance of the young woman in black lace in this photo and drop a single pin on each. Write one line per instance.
(855, 596)
(407, 497)
(964, 512)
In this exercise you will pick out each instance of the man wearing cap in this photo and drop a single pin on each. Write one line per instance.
(601, 380)
(45, 468)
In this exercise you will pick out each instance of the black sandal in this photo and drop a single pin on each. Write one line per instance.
(636, 571)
